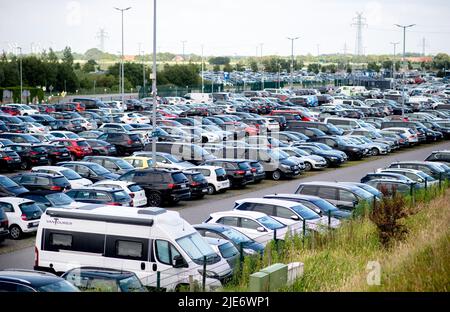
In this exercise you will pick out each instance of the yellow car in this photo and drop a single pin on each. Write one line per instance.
(139, 162)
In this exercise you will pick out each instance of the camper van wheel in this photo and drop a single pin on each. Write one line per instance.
(154, 199)
(276, 175)
(211, 189)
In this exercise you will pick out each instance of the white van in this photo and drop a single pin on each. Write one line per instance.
(198, 98)
(150, 242)
(351, 90)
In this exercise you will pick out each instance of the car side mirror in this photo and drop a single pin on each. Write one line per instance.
(178, 262)
(295, 218)
(260, 229)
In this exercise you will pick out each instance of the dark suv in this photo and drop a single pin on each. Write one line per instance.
(239, 172)
(160, 185)
(33, 281)
(9, 160)
(354, 152)
(125, 143)
(10, 188)
(35, 181)
(31, 155)
(197, 183)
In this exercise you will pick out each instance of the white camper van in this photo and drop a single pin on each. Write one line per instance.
(198, 98)
(150, 242)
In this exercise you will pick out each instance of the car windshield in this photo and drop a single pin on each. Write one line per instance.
(70, 174)
(196, 247)
(173, 159)
(71, 135)
(7, 182)
(121, 196)
(131, 284)
(277, 154)
(299, 152)
(60, 286)
(60, 181)
(59, 199)
(123, 164)
(98, 169)
(236, 236)
(362, 193)
(323, 146)
(270, 223)
(324, 205)
(228, 250)
(305, 212)
(179, 177)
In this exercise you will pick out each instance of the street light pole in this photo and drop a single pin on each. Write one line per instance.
(403, 61)
(154, 91)
(21, 75)
(122, 85)
(184, 57)
(393, 61)
(203, 81)
(292, 60)
(262, 67)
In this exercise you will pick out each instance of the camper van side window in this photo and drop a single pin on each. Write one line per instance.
(61, 240)
(129, 249)
(162, 251)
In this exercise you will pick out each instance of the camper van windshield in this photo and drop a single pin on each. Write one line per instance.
(196, 247)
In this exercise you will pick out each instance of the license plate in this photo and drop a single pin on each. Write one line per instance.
(296, 172)
(42, 157)
(204, 191)
(65, 154)
(34, 224)
(183, 186)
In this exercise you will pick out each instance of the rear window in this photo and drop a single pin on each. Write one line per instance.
(134, 188)
(179, 177)
(134, 137)
(220, 172)
(82, 143)
(38, 149)
(60, 181)
(70, 174)
(198, 177)
(29, 209)
(121, 196)
(244, 166)
(228, 250)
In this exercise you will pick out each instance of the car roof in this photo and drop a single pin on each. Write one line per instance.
(271, 201)
(216, 241)
(39, 174)
(391, 181)
(15, 200)
(239, 213)
(294, 196)
(95, 188)
(29, 277)
(322, 183)
(102, 272)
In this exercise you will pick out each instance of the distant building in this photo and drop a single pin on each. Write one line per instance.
(420, 59)
(178, 58)
(129, 58)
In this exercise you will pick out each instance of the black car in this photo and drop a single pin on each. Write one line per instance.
(4, 225)
(354, 152)
(311, 133)
(33, 281)
(20, 138)
(440, 156)
(13, 123)
(282, 122)
(9, 188)
(125, 143)
(46, 199)
(9, 160)
(160, 185)
(103, 148)
(35, 181)
(238, 239)
(30, 155)
(197, 183)
(56, 153)
(239, 172)
(258, 171)
(101, 195)
(90, 170)
(94, 279)
(91, 134)
(46, 120)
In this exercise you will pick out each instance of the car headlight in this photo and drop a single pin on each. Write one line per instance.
(285, 166)
(209, 274)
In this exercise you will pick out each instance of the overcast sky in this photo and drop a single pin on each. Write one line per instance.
(225, 27)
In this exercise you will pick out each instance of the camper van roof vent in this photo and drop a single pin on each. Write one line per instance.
(152, 211)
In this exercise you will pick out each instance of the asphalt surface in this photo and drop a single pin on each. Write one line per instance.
(198, 211)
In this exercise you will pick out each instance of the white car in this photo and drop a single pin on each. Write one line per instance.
(410, 134)
(117, 104)
(288, 212)
(44, 137)
(130, 118)
(75, 180)
(86, 124)
(65, 135)
(24, 109)
(216, 177)
(23, 215)
(256, 225)
(311, 161)
(35, 127)
(132, 189)
(207, 136)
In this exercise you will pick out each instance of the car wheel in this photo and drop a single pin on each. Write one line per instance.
(154, 199)
(15, 232)
(211, 189)
(23, 165)
(276, 175)
(374, 151)
(308, 166)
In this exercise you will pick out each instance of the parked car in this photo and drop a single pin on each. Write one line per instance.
(9, 160)
(94, 279)
(4, 225)
(10, 188)
(23, 215)
(101, 195)
(133, 189)
(73, 177)
(101, 148)
(165, 160)
(47, 199)
(215, 176)
(33, 281)
(226, 250)
(238, 171)
(160, 185)
(90, 170)
(389, 187)
(78, 148)
(354, 152)
(384, 175)
(197, 183)
(430, 168)
(113, 164)
(125, 143)
(439, 156)
(35, 181)
(30, 155)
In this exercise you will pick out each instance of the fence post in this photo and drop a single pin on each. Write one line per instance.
(204, 274)
(440, 180)
(158, 281)
(304, 232)
(329, 218)
(426, 184)
(411, 192)
(241, 255)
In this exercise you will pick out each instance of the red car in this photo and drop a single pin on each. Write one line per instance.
(304, 116)
(78, 148)
(13, 111)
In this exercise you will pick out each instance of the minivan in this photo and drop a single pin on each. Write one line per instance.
(150, 242)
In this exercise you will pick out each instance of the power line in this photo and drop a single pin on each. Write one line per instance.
(102, 35)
